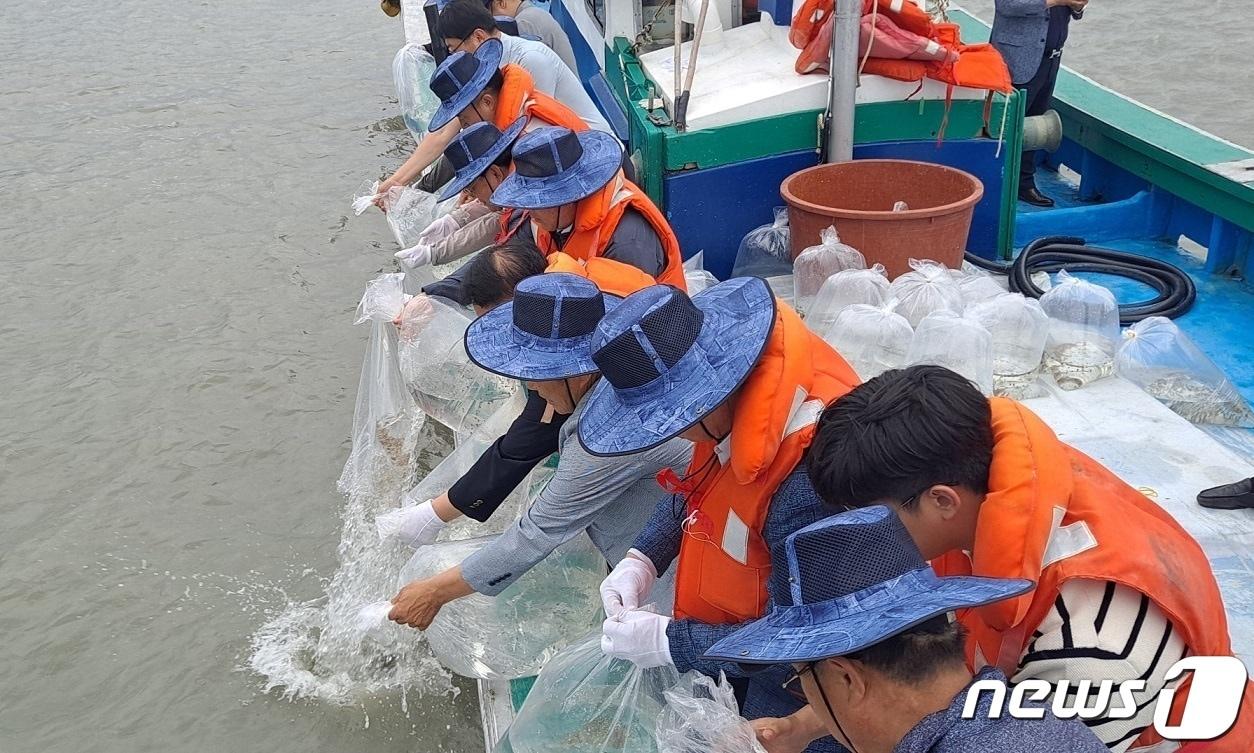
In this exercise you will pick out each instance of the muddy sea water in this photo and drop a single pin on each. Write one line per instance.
(178, 363)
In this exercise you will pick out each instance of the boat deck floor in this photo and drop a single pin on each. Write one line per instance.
(1222, 320)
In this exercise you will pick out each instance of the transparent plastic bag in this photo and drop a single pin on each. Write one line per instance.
(433, 361)
(587, 702)
(1020, 329)
(766, 251)
(814, 265)
(386, 419)
(412, 69)
(365, 197)
(1083, 331)
(928, 288)
(977, 286)
(695, 275)
(515, 633)
(782, 288)
(701, 716)
(872, 339)
(959, 344)
(409, 211)
(844, 289)
(1162, 360)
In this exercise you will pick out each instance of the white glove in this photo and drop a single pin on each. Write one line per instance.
(415, 256)
(638, 637)
(628, 584)
(416, 525)
(439, 229)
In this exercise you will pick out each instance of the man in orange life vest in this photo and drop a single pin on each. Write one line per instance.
(985, 488)
(737, 373)
(581, 204)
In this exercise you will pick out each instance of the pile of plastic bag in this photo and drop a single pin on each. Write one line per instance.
(386, 420)
(766, 251)
(696, 278)
(872, 339)
(959, 344)
(1162, 360)
(928, 288)
(844, 289)
(701, 716)
(434, 364)
(587, 702)
(1019, 329)
(515, 633)
(816, 264)
(411, 72)
(1083, 331)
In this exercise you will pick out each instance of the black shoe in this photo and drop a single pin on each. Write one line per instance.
(1229, 496)
(1035, 197)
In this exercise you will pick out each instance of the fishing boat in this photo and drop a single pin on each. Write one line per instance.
(1126, 177)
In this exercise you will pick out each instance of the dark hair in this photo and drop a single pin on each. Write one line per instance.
(919, 653)
(460, 18)
(496, 83)
(900, 433)
(492, 276)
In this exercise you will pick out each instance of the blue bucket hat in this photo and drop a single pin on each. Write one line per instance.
(555, 166)
(474, 150)
(461, 78)
(668, 360)
(544, 333)
(854, 579)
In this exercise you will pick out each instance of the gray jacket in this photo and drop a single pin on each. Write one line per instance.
(536, 22)
(1019, 28)
(610, 498)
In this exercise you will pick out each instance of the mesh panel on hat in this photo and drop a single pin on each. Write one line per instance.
(673, 328)
(533, 313)
(624, 363)
(579, 316)
(547, 153)
(837, 560)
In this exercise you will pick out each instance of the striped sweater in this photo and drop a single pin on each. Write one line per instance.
(1102, 631)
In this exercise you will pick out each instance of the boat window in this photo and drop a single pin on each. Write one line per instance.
(597, 9)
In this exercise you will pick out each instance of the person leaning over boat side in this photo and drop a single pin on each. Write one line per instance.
(1030, 35)
(542, 337)
(579, 202)
(1122, 591)
(534, 21)
(489, 282)
(737, 373)
(865, 624)
(468, 27)
(480, 158)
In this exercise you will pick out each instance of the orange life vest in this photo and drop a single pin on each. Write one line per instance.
(610, 276)
(724, 563)
(519, 97)
(1053, 514)
(977, 66)
(597, 216)
(809, 21)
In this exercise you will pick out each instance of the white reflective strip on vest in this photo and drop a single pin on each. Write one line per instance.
(736, 538)
(802, 413)
(932, 48)
(1066, 541)
(896, 5)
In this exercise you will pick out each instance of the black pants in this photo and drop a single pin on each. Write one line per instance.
(1040, 90)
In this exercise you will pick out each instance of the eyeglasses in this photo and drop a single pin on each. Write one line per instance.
(793, 685)
(452, 50)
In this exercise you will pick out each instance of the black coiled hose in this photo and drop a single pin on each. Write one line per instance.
(1176, 291)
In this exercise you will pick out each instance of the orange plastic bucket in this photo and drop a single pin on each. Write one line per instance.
(858, 197)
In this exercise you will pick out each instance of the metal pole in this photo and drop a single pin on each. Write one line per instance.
(679, 68)
(844, 80)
